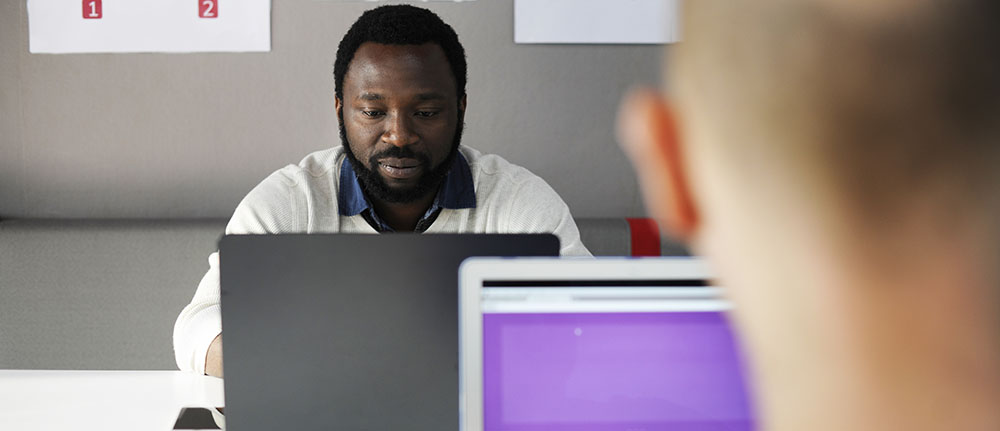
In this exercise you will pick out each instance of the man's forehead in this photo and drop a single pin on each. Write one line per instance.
(422, 95)
(377, 69)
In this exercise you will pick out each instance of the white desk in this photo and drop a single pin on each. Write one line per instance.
(101, 400)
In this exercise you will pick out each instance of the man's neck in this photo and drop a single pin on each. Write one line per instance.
(403, 217)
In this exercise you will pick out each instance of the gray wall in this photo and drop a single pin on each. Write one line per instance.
(187, 135)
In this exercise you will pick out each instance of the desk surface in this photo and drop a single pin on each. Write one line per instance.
(101, 400)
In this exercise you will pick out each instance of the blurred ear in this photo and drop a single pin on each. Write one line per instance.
(462, 104)
(647, 132)
(338, 105)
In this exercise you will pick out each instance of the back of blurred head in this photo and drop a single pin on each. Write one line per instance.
(885, 104)
(839, 164)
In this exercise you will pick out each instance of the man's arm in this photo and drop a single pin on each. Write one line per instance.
(213, 359)
(276, 205)
(199, 322)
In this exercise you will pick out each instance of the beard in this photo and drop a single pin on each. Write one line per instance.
(375, 186)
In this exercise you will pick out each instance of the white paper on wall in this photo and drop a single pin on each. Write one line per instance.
(596, 21)
(94, 26)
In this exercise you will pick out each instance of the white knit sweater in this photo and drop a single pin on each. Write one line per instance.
(303, 199)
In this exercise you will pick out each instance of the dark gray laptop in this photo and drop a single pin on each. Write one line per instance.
(348, 332)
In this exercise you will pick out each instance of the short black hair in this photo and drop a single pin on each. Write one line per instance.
(400, 25)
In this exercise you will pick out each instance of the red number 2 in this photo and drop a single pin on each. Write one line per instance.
(92, 9)
(208, 8)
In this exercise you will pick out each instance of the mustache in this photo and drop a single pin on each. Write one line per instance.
(400, 152)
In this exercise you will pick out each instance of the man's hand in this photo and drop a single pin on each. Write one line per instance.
(213, 359)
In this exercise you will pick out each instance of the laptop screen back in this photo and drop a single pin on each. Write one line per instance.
(348, 331)
(578, 356)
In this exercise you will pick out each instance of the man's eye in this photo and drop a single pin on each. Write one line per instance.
(426, 114)
(371, 114)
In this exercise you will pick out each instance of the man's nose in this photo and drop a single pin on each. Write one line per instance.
(399, 131)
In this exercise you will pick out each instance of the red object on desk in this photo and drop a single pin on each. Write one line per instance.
(645, 237)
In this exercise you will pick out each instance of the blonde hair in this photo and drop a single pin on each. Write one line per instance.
(886, 101)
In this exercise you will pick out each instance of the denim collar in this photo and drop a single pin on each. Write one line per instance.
(457, 191)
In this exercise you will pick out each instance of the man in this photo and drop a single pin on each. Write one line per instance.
(837, 163)
(400, 98)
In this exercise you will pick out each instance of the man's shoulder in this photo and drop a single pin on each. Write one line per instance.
(319, 164)
(290, 197)
(493, 168)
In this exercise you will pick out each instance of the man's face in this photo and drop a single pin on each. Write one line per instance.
(401, 119)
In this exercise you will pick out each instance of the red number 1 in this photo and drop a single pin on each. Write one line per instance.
(208, 8)
(92, 9)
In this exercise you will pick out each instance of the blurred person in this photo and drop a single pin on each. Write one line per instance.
(838, 163)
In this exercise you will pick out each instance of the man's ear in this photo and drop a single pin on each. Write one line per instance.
(647, 132)
(338, 105)
(462, 103)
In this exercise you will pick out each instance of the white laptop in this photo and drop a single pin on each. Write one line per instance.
(596, 344)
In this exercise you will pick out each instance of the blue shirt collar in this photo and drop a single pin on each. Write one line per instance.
(457, 191)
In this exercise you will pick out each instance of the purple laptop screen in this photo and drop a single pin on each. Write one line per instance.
(677, 371)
